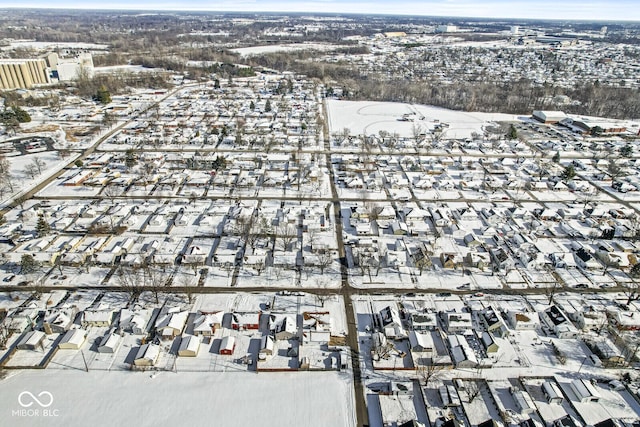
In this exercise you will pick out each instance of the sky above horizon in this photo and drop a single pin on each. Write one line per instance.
(626, 10)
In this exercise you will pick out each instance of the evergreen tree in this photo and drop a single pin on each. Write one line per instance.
(28, 264)
(267, 106)
(42, 227)
(556, 157)
(512, 133)
(252, 106)
(21, 115)
(103, 96)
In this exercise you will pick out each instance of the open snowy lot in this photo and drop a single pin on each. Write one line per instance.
(78, 397)
(364, 117)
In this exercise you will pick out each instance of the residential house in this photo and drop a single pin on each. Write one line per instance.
(205, 324)
(242, 321)
(59, 321)
(558, 322)
(170, 322)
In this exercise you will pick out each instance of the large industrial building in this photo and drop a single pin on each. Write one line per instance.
(23, 73)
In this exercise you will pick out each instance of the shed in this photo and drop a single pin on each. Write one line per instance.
(227, 345)
(73, 339)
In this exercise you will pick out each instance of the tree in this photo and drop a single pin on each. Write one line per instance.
(556, 157)
(428, 372)
(626, 151)
(128, 281)
(596, 131)
(568, 173)
(42, 227)
(28, 264)
(102, 95)
(287, 235)
(216, 84)
(512, 133)
(21, 115)
(614, 170)
(267, 106)
(107, 119)
(324, 260)
(252, 106)
(131, 159)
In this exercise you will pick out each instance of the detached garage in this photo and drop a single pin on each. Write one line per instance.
(32, 341)
(73, 339)
(228, 345)
(109, 343)
(147, 355)
(189, 346)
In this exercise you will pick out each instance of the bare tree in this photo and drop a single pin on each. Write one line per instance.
(324, 260)
(128, 280)
(472, 387)
(188, 283)
(287, 235)
(429, 372)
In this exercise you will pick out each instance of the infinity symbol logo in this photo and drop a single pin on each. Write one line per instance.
(22, 397)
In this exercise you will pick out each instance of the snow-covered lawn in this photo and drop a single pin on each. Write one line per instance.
(101, 398)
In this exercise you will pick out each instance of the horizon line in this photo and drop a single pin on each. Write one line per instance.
(316, 13)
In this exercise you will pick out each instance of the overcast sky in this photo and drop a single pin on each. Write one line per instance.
(541, 9)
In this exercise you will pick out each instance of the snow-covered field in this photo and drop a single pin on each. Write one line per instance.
(101, 398)
(259, 50)
(364, 117)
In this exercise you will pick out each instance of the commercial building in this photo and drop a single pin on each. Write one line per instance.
(23, 73)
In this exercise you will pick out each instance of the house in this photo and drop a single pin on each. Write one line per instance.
(521, 320)
(422, 343)
(462, 354)
(133, 321)
(267, 345)
(97, 318)
(171, 322)
(32, 340)
(227, 345)
(523, 400)
(455, 322)
(147, 355)
(73, 339)
(109, 343)
(558, 322)
(205, 324)
(189, 346)
(625, 320)
(391, 323)
(286, 328)
(423, 321)
(242, 321)
(59, 321)
(493, 322)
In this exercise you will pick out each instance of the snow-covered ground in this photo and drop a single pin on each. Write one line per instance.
(259, 50)
(365, 117)
(102, 398)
